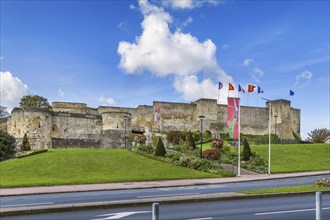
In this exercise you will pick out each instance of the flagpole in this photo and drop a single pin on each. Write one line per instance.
(218, 95)
(257, 99)
(239, 140)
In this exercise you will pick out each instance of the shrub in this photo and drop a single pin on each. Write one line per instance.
(177, 148)
(196, 136)
(26, 143)
(211, 154)
(247, 153)
(7, 146)
(217, 143)
(140, 138)
(191, 142)
(319, 135)
(324, 182)
(160, 149)
(143, 149)
(174, 137)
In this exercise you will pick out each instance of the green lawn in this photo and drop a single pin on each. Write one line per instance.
(296, 157)
(286, 189)
(82, 166)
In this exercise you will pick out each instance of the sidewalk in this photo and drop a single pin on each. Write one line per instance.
(150, 184)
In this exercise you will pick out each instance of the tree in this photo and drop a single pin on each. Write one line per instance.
(160, 149)
(7, 146)
(26, 143)
(321, 135)
(34, 101)
(247, 153)
(3, 112)
(191, 141)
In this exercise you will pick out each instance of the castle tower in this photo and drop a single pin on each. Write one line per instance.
(116, 129)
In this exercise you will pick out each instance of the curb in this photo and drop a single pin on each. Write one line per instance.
(143, 185)
(140, 202)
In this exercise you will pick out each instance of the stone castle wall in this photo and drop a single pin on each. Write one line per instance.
(76, 125)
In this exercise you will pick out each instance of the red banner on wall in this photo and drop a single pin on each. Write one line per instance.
(233, 117)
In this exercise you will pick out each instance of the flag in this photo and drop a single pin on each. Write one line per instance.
(156, 115)
(260, 90)
(231, 87)
(240, 89)
(251, 88)
(220, 85)
(291, 93)
(233, 117)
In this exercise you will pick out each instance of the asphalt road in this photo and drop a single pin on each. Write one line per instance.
(115, 195)
(297, 207)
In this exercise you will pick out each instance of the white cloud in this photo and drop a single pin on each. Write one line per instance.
(303, 79)
(106, 101)
(61, 93)
(225, 46)
(12, 90)
(258, 72)
(188, 4)
(164, 53)
(187, 21)
(247, 62)
(132, 7)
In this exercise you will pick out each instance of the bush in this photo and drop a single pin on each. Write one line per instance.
(140, 139)
(7, 146)
(211, 154)
(217, 143)
(319, 135)
(26, 143)
(191, 142)
(143, 149)
(160, 149)
(247, 153)
(324, 182)
(174, 137)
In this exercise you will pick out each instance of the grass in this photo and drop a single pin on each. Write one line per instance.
(288, 189)
(296, 157)
(83, 166)
(288, 158)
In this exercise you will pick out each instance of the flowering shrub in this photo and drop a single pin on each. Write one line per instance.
(324, 182)
(211, 154)
(140, 138)
(217, 143)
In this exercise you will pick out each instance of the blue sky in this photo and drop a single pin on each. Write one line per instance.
(130, 53)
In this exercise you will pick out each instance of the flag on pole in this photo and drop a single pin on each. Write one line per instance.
(233, 117)
(291, 93)
(231, 87)
(240, 89)
(260, 90)
(220, 85)
(251, 88)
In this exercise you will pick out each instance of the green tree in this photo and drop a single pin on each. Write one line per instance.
(321, 135)
(191, 141)
(3, 112)
(34, 101)
(247, 153)
(26, 143)
(7, 146)
(160, 149)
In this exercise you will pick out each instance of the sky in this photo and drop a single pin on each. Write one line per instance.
(129, 53)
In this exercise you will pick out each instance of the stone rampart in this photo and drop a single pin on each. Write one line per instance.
(76, 125)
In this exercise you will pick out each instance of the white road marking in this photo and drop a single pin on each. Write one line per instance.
(168, 195)
(27, 204)
(206, 218)
(193, 187)
(118, 215)
(288, 211)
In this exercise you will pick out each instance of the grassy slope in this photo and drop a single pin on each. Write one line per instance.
(286, 158)
(286, 189)
(296, 157)
(80, 166)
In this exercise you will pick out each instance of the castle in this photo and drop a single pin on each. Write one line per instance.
(77, 125)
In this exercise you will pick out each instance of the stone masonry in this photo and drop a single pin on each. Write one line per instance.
(77, 125)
